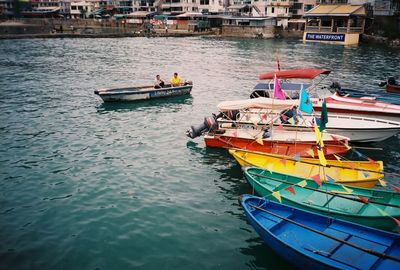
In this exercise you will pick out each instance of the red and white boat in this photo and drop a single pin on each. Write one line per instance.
(279, 141)
(336, 104)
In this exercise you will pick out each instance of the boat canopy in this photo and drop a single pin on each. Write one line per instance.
(306, 73)
(258, 103)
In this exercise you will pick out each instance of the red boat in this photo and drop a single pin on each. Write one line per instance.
(360, 106)
(282, 142)
(393, 88)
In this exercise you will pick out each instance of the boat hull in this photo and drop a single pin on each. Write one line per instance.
(367, 214)
(273, 222)
(353, 173)
(135, 94)
(288, 148)
(393, 88)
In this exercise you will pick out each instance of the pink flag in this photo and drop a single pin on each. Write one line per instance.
(364, 200)
(278, 93)
(317, 179)
(397, 189)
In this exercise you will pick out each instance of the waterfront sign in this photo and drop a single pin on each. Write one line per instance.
(325, 37)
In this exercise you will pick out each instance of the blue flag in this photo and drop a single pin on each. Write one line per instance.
(305, 102)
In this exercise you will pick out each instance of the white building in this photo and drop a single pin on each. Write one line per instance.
(81, 9)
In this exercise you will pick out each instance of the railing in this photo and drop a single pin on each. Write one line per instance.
(329, 29)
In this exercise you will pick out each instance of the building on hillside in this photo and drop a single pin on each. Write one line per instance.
(337, 24)
(176, 7)
(81, 9)
(380, 7)
(279, 9)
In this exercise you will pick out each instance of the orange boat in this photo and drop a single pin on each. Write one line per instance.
(280, 141)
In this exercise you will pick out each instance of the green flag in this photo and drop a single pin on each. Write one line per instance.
(324, 117)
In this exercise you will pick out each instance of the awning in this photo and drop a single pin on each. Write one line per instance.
(190, 15)
(140, 14)
(259, 103)
(336, 11)
(237, 6)
(307, 73)
(297, 21)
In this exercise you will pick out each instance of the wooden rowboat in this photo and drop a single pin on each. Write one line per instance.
(369, 207)
(311, 241)
(354, 173)
(283, 142)
(142, 92)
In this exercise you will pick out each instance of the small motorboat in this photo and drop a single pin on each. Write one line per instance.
(336, 104)
(392, 86)
(369, 207)
(260, 114)
(143, 92)
(312, 241)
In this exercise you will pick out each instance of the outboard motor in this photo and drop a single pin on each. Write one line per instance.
(209, 124)
(336, 86)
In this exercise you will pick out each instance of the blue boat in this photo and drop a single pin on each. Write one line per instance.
(311, 241)
(143, 92)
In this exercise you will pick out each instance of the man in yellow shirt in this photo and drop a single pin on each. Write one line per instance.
(176, 80)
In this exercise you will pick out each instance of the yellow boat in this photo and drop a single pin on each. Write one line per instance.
(353, 173)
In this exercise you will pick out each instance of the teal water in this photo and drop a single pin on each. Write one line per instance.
(87, 185)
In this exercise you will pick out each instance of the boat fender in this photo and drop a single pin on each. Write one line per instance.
(209, 124)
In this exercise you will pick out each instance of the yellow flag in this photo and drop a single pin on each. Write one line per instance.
(348, 190)
(382, 182)
(338, 158)
(291, 120)
(277, 195)
(255, 123)
(383, 213)
(310, 152)
(302, 183)
(260, 140)
(270, 167)
(320, 145)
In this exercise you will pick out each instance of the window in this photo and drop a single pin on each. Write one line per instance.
(272, 10)
(204, 2)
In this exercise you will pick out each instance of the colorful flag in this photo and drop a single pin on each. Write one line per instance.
(317, 179)
(291, 121)
(264, 116)
(382, 182)
(330, 179)
(302, 183)
(278, 93)
(366, 174)
(283, 161)
(310, 152)
(260, 140)
(348, 190)
(337, 157)
(397, 221)
(277, 195)
(290, 189)
(324, 117)
(320, 145)
(296, 157)
(370, 160)
(305, 102)
(397, 189)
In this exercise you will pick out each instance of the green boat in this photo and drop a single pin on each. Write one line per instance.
(370, 207)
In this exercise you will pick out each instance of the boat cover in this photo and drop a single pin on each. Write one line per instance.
(260, 103)
(305, 73)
